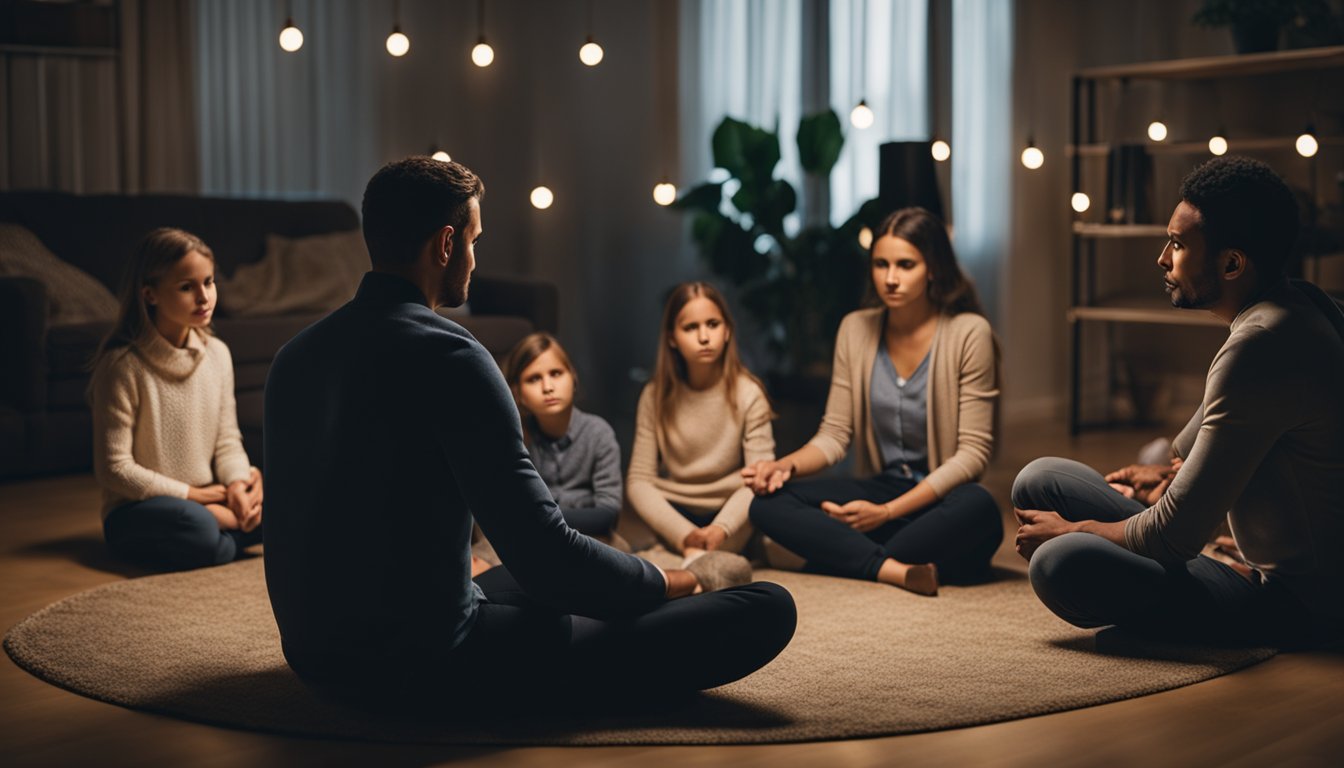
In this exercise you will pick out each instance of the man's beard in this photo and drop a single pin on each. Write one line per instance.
(456, 279)
(1201, 292)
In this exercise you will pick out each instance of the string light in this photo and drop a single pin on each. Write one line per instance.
(1306, 144)
(865, 238)
(1157, 130)
(542, 198)
(482, 55)
(1080, 202)
(291, 37)
(441, 156)
(591, 53)
(1218, 144)
(1032, 157)
(940, 150)
(862, 116)
(664, 193)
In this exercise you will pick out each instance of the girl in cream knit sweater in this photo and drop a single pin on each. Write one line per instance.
(700, 421)
(178, 491)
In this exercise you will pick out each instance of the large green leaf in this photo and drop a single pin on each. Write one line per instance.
(778, 200)
(819, 142)
(747, 152)
(703, 197)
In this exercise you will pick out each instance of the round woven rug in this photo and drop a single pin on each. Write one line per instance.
(867, 660)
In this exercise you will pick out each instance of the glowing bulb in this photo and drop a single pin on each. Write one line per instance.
(1157, 130)
(865, 238)
(482, 55)
(1307, 145)
(291, 39)
(397, 43)
(1032, 157)
(940, 150)
(1080, 202)
(862, 116)
(664, 193)
(591, 53)
(441, 156)
(542, 198)
(1218, 145)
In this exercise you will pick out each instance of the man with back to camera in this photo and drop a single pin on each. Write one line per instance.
(1265, 451)
(387, 427)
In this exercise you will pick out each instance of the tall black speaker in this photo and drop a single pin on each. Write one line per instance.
(906, 177)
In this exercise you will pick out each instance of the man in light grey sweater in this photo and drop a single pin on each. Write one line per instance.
(1265, 452)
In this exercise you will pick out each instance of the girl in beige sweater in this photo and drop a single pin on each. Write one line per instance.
(178, 490)
(700, 421)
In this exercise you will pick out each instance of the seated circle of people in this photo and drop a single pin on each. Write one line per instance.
(1264, 452)
(914, 389)
(391, 424)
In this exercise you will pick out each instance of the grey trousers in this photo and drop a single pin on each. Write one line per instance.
(1091, 582)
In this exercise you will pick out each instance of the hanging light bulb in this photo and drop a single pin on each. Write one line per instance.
(1080, 202)
(1157, 130)
(542, 198)
(591, 53)
(482, 55)
(1306, 144)
(865, 238)
(940, 150)
(664, 193)
(862, 116)
(1218, 144)
(441, 156)
(291, 38)
(1032, 157)
(397, 43)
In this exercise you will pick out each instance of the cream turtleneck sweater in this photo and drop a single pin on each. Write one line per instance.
(164, 419)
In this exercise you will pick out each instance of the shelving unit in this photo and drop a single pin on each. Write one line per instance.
(1124, 238)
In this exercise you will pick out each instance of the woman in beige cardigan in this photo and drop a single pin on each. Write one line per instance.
(914, 386)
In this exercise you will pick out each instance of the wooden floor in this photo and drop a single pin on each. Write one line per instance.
(1287, 711)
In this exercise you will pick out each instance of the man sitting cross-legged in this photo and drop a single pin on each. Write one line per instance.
(1265, 452)
(387, 428)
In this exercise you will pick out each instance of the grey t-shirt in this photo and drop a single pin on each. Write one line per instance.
(900, 416)
(583, 467)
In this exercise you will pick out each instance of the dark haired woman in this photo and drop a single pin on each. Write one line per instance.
(178, 490)
(914, 387)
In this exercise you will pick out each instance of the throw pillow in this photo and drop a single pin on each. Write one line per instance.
(74, 296)
(297, 275)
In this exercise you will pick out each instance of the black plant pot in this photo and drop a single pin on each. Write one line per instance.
(1255, 36)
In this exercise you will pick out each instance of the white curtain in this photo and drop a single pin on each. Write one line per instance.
(879, 53)
(982, 151)
(277, 124)
(743, 59)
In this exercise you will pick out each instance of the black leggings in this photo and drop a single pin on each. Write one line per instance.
(959, 533)
(518, 646)
(591, 521)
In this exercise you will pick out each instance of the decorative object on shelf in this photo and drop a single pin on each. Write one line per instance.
(291, 37)
(1129, 189)
(796, 286)
(482, 55)
(1255, 24)
(398, 44)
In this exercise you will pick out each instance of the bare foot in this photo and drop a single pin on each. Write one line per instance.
(922, 579)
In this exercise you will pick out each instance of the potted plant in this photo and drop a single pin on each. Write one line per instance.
(796, 286)
(1256, 23)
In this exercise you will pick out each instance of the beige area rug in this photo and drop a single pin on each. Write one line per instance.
(867, 660)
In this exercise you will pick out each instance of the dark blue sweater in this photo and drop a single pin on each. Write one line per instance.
(387, 427)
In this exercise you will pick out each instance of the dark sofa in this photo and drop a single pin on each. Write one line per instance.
(45, 425)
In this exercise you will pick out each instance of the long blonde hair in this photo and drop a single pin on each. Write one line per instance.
(669, 373)
(155, 255)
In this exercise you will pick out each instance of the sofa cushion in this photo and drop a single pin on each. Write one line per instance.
(73, 295)
(297, 276)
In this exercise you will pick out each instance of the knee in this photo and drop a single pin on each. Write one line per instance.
(1058, 569)
(1033, 479)
(774, 610)
(978, 502)
(759, 511)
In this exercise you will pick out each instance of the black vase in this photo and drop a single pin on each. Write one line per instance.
(1255, 36)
